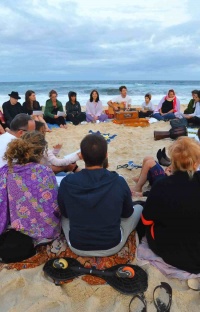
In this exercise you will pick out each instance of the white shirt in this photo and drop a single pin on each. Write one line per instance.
(4, 140)
(50, 159)
(148, 107)
(119, 99)
(197, 110)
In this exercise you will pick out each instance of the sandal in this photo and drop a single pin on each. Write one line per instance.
(159, 304)
(122, 166)
(141, 297)
(132, 165)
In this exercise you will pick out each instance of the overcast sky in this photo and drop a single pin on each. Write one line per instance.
(106, 39)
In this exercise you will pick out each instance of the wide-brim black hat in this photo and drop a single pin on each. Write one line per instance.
(14, 95)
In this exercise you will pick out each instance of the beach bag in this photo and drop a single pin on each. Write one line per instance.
(176, 132)
(178, 122)
(15, 247)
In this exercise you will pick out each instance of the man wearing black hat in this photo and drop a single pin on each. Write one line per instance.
(12, 107)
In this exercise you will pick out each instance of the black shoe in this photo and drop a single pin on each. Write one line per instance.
(163, 162)
(164, 154)
(159, 154)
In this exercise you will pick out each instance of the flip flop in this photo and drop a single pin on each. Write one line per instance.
(122, 166)
(141, 297)
(132, 165)
(159, 304)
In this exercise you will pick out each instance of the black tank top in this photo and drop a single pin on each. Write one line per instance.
(167, 106)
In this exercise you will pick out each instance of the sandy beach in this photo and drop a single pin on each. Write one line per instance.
(28, 290)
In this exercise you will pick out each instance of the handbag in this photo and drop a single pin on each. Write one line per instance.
(15, 246)
(178, 122)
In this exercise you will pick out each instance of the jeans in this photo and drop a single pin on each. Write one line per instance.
(168, 116)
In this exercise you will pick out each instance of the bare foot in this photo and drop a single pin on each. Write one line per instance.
(48, 130)
(136, 189)
(137, 194)
(63, 126)
(136, 179)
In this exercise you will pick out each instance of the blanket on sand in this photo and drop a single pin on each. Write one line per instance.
(145, 255)
(59, 249)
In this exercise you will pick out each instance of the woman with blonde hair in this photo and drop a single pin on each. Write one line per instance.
(171, 213)
(28, 190)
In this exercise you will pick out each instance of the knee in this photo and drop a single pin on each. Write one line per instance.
(150, 162)
(147, 158)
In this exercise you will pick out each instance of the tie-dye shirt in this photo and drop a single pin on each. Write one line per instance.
(28, 201)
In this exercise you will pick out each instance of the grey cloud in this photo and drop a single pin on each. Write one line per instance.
(63, 45)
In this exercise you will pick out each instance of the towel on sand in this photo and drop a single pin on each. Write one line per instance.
(106, 136)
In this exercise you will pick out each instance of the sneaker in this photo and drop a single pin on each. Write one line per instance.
(84, 123)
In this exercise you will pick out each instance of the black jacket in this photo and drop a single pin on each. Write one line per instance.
(94, 201)
(173, 208)
(10, 111)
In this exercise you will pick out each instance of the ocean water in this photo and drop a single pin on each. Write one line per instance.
(107, 90)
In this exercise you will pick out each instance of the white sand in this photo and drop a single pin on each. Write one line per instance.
(28, 290)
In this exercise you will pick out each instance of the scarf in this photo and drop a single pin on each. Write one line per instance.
(174, 103)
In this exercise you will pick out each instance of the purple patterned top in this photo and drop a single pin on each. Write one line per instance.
(28, 199)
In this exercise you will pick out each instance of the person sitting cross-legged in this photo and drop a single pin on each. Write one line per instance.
(73, 110)
(12, 108)
(168, 108)
(96, 205)
(194, 118)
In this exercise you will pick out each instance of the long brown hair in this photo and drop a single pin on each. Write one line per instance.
(28, 102)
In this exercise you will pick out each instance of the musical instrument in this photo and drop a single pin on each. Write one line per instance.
(130, 118)
(173, 133)
(119, 106)
(128, 279)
